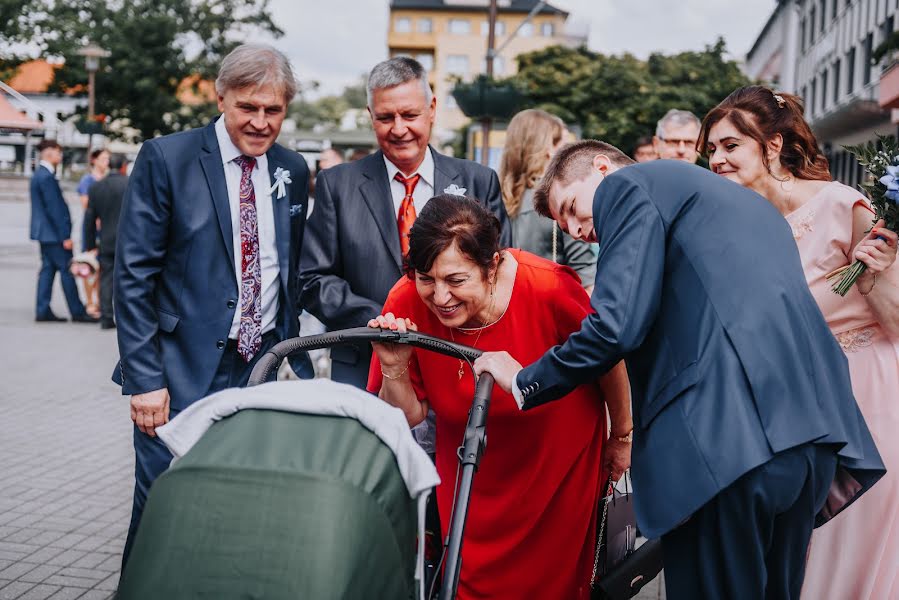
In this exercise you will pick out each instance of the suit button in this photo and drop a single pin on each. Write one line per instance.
(232, 303)
(220, 344)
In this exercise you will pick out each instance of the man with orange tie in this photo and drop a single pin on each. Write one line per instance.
(358, 232)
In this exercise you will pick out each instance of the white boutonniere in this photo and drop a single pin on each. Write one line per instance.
(282, 178)
(455, 190)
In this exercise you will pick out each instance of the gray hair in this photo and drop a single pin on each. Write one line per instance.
(678, 118)
(256, 65)
(397, 71)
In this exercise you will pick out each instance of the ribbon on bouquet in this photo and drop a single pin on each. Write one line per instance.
(282, 178)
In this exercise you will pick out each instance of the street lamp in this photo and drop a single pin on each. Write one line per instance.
(92, 54)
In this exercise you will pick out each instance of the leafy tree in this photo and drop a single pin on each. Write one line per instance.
(327, 112)
(154, 45)
(620, 98)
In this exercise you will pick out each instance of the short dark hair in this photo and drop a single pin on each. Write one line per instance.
(574, 161)
(45, 143)
(447, 219)
(117, 161)
(643, 140)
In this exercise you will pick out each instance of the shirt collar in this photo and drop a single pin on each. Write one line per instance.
(425, 169)
(48, 166)
(227, 148)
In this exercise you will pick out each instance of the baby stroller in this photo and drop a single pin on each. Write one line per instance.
(298, 489)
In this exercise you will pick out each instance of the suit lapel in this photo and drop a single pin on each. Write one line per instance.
(444, 174)
(375, 191)
(281, 211)
(211, 162)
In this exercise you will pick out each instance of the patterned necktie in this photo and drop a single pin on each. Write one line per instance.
(406, 218)
(249, 336)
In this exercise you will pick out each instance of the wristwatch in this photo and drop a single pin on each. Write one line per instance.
(627, 438)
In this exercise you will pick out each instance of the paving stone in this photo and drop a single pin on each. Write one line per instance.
(66, 557)
(44, 555)
(15, 590)
(67, 593)
(111, 583)
(96, 595)
(69, 581)
(40, 592)
(16, 570)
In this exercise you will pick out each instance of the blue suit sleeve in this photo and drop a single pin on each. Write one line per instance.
(140, 255)
(626, 298)
(55, 207)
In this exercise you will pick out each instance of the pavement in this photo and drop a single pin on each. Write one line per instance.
(66, 460)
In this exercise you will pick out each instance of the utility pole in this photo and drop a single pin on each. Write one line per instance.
(491, 43)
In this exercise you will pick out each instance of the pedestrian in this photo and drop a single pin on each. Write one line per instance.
(358, 232)
(746, 434)
(51, 225)
(103, 208)
(758, 138)
(207, 255)
(99, 168)
(644, 151)
(676, 135)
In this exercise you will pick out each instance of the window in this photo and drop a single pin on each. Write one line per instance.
(886, 30)
(499, 28)
(813, 97)
(457, 64)
(824, 90)
(425, 26)
(833, 9)
(426, 60)
(823, 15)
(527, 30)
(547, 30)
(804, 95)
(402, 25)
(460, 26)
(499, 65)
(802, 35)
(866, 68)
(850, 70)
(836, 82)
(811, 26)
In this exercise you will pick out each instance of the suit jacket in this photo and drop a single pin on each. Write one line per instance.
(104, 201)
(175, 285)
(351, 256)
(700, 289)
(50, 218)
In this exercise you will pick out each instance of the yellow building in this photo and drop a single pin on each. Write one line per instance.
(449, 38)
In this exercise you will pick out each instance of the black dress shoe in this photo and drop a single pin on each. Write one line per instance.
(49, 318)
(85, 318)
(107, 324)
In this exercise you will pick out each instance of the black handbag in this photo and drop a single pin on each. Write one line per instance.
(620, 570)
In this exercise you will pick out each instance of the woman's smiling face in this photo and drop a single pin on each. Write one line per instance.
(455, 289)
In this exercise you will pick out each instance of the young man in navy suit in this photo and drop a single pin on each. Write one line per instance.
(746, 433)
(207, 255)
(51, 225)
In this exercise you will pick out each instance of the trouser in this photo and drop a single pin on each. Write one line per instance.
(152, 457)
(750, 541)
(107, 269)
(56, 258)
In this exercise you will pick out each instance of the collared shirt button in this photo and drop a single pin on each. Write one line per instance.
(220, 344)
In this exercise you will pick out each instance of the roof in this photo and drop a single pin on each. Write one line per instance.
(510, 6)
(10, 118)
(194, 91)
(33, 77)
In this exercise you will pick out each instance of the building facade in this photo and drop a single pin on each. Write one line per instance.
(449, 38)
(822, 51)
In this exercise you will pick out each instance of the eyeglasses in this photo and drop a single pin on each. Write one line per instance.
(677, 143)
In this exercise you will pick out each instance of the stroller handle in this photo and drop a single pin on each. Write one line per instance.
(272, 359)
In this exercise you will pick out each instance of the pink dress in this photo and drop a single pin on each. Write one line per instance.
(856, 555)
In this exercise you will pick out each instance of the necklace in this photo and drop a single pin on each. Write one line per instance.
(481, 329)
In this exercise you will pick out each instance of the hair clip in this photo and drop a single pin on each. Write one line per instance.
(779, 99)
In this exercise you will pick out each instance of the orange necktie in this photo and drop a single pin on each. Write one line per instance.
(406, 217)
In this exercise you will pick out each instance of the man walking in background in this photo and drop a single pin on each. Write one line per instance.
(104, 204)
(51, 225)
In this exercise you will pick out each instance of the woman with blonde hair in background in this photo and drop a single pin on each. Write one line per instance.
(533, 136)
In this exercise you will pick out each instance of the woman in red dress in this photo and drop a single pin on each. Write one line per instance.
(531, 526)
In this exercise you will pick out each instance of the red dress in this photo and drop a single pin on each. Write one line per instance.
(532, 519)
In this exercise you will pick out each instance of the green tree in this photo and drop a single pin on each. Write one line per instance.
(325, 113)
(620, 98)
(154, 46)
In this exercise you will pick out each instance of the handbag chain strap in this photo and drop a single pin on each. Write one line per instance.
(602, 529)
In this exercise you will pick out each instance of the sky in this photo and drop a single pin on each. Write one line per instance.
(336, 41)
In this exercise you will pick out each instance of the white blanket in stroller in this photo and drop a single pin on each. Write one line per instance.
(318, 397)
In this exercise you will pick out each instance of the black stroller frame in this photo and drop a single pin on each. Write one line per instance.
(473, 444)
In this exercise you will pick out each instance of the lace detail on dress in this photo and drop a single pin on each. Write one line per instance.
(855, 339)
(803, 225)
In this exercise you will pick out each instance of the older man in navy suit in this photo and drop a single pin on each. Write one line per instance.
(51, 225)
(746, 433)
(207, 255)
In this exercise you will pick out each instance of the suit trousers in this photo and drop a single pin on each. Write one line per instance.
(107, 269)
(56, 258)
(152, 457)
(750, 541)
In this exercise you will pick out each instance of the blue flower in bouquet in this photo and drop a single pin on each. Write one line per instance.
(891, 181)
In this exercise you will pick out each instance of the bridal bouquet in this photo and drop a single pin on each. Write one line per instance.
(881, 161)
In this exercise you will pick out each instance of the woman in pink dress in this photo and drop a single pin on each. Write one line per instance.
(759, 139)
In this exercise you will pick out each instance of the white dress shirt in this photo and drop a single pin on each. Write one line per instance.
(424, 189)
(52, 168)
(265, 216)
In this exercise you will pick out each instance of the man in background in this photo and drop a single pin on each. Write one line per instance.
(328, 158)
(644, 150)
(676, 136)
